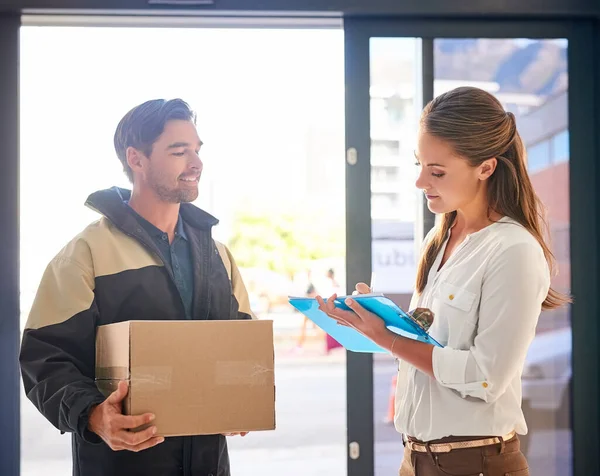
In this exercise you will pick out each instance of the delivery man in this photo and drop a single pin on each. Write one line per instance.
(150, 256)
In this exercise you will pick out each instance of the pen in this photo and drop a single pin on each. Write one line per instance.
(371, 286)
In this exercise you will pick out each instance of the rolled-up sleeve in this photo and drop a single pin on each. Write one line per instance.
(513, 290)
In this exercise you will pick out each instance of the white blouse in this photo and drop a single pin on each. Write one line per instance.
(486, 301)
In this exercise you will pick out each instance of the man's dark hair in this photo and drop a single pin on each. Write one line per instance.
(141, 126)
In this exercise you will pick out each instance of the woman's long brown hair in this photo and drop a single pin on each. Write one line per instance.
(474, 123)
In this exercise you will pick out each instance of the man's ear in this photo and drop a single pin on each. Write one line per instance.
(487, 168)
(134, 159)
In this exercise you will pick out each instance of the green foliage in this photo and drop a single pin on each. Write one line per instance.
(284, 242)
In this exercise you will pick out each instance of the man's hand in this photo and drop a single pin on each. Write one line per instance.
(109, 423)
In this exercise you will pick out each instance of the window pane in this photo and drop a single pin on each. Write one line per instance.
(393, 66)
(560, 147)
(530, 78)
(538, 156)
(271, 116)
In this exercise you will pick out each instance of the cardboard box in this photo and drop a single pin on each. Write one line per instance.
(197, 377)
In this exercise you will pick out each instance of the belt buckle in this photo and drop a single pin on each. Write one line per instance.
(413, 446)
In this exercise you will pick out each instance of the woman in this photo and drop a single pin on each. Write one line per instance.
(485, 275)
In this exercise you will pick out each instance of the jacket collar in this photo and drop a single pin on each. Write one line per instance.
(112, 204)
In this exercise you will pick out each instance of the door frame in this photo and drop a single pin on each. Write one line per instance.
(584, 102)
(584, 120)
(9, 251)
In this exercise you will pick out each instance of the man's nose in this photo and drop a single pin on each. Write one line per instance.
(197, 163)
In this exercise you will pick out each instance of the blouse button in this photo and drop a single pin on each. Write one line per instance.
(484, 385)
(451, 297)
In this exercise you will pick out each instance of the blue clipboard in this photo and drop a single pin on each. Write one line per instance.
(395, 319)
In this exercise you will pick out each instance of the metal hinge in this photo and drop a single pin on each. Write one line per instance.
(352, 156)
(354, 450)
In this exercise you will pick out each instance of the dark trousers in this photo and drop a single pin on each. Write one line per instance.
(503, 459)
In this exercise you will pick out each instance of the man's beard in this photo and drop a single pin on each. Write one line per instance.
(171, 195)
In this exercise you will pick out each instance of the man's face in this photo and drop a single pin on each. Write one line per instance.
(174, 167)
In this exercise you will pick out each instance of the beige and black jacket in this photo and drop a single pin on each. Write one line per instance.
(112, 272)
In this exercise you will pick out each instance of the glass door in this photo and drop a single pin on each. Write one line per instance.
(270, 110)
(392, 70)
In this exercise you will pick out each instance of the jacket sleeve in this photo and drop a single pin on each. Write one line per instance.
(237, 284)
(58, 347)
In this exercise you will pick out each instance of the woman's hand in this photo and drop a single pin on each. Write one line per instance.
(365, 322)
(414, 352)
(361, 288)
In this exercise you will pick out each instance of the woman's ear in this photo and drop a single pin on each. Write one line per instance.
(487, 168)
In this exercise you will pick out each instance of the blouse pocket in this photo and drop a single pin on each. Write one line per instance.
(456, 297)
(457, 312)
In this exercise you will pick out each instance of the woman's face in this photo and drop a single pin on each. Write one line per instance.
(449, 182)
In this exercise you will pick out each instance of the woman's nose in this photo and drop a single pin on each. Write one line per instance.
(421, 182)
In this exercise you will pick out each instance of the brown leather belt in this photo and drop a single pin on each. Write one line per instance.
(457, 445)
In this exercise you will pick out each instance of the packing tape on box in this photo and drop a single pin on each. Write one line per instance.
(107, 386)
(152, 378)
(112, 373)
(227, 372)
(242, 372)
